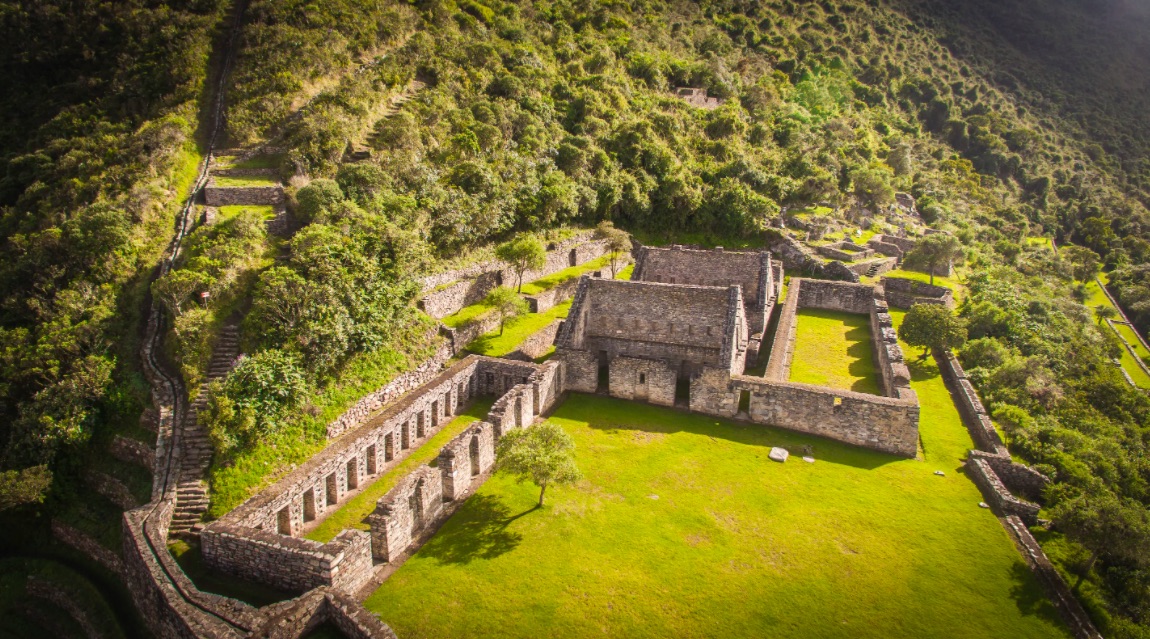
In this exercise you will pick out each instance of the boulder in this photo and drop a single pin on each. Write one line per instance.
(779, 454)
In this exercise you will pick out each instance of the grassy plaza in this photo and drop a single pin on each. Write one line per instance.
(683, 527)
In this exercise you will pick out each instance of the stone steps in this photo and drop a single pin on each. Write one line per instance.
(196, 450)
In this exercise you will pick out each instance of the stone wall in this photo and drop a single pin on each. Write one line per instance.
(996, 493)
(133, 451)
(643, 380)
(405, 511)
(538, 343)
(288, 563)
(888, 424)
(904, 293)
(753, 272)
(833, 296)
(846, 251)
(447, 293)
(405, 382)
(239, 195)
(470, 454)
(556, 295)
(305, 615)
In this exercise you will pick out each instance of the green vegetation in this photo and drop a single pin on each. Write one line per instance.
(682, 527)
(834, 349)
(567, 274)
(353, 513)
(494, 344)
(543, 455)
(265, 211)
(1096, 299)
(932, 327)
(20, 610)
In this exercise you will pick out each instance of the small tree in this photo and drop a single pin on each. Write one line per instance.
(506, 303)
(934, 251)
(521, 254)
(1104, 312)
(543, 454)
(26, 486)
(176, 287)
(618, 244)
(1104, 523)
(1083, 262)
(932, 326)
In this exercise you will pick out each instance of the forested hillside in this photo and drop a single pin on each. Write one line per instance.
(1011, 123)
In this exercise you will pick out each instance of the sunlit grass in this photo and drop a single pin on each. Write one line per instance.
(574, 272)
(834, 349)
(246, 180)
(682, 527)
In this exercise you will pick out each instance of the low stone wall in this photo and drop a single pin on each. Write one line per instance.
(555, 296)
(996, 493)
(846, 251)
(970, 407)
(322, 605)
(87, 546)
(133, 451)
(372, 402)
(904, 244)
(239, 195)
(904, 293)
(404, 512)
(288, 563)
(1020, 479)
(538, 343)
(447, 293)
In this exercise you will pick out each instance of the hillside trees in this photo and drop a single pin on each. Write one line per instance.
(523, 253)
(932, 326)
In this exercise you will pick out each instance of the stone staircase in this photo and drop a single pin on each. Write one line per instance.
(873, 270)
(359, 152)
(195, 446)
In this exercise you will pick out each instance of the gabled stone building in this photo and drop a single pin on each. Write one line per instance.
(759, 277)
(639, 340)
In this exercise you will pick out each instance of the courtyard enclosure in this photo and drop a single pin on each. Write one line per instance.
(834, 349)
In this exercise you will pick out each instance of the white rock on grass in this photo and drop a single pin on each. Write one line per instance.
(779, 454)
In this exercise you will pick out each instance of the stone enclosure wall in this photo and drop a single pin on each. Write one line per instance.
(239, 195)
(260, 541)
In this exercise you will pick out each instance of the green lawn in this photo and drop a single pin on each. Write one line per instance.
(352, 514)
(231, 210)
(555, 279)
(1095, 297)
(683, 528)
(246, 180)
(517, 329)
(834, 349)
(950, 282)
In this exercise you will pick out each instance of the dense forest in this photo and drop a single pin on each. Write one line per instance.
(1007, 121)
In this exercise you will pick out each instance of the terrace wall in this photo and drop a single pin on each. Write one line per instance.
(904, 293)
(239, 195)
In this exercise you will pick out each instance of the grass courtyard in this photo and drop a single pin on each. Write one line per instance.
(683, 527)
(834, 349)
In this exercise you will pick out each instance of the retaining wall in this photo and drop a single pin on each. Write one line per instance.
(904, 293)
(239, 195)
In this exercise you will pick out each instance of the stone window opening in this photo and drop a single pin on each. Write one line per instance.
(473, 452)
(415, 503)
(352, 474)
(421, 426)
(309, 505)
(838, 404)
(369, 455)
(283, 521)
(332, 490)
(642, 378)
(405, 435)
(388, 447)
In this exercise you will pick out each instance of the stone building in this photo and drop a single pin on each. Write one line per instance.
(639, 340)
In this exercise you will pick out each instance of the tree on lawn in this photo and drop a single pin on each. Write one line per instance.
(618, 244)
(1105, 523)
(506, 303)
(523, 253)
(1104, 312)
(543, 454)
(932, 326)
(934, 251)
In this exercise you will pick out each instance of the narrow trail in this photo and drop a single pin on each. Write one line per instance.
(166, 385)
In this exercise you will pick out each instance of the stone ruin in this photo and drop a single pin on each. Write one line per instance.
(261, 540)
(656, 342)
(697, 98)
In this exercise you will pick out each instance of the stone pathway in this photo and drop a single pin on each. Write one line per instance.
(392, 106)
(195, 446)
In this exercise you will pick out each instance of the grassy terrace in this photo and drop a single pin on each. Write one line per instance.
(682, 527)
(1095, 297)
(555, 279)
(834, 349)
(353, 513)
(252, 180)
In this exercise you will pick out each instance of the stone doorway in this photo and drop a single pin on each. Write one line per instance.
(642, 391)
(415, 503)
(473, 452)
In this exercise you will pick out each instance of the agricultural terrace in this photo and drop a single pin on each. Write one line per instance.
(834, 349)
(683, 527)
